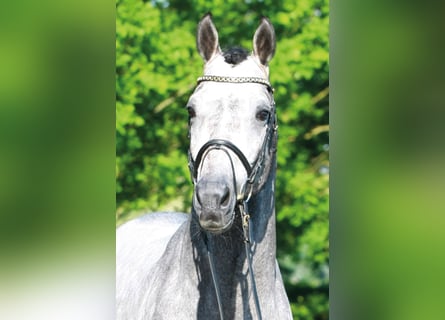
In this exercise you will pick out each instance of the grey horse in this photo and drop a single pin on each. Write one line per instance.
(219, 262)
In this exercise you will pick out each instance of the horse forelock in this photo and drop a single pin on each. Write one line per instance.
(235, 55)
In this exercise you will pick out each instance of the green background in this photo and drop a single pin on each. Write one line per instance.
(58, 148)
(156, 69)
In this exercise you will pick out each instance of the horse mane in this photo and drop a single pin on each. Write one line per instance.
(235, 55)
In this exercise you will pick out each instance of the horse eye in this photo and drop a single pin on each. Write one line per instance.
(263, 115)
(191, 112)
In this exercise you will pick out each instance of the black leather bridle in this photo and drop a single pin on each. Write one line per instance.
(253, 171)
(254, 175)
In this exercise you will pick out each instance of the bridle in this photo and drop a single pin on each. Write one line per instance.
(254, 177)
(255, 170)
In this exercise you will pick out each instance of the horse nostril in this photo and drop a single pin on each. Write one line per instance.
(197, 194)
(225, 197)
(212, 195)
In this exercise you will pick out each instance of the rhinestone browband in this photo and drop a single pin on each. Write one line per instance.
(236, 80)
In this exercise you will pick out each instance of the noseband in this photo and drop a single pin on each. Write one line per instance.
(254, 176)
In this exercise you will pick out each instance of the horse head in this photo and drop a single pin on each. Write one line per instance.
(232, 125)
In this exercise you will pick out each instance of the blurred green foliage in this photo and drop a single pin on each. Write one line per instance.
(156, 68)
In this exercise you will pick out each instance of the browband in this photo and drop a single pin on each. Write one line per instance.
(236, 80)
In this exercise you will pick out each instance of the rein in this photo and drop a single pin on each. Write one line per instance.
(254, 176)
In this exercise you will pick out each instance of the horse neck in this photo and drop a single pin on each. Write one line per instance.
(262, 221)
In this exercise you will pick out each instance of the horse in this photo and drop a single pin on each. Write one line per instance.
(219, 262)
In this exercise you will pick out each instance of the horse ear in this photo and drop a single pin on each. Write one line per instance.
(207, 38)
(264, 42)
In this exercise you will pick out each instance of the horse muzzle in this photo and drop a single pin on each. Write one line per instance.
(214, 203)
